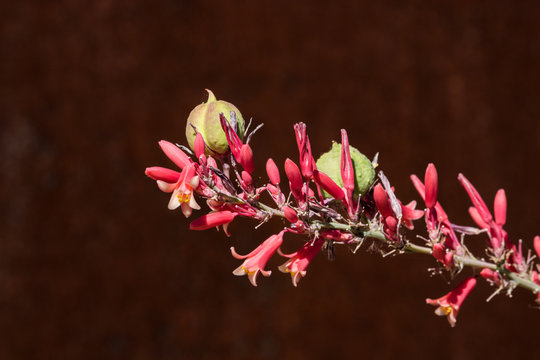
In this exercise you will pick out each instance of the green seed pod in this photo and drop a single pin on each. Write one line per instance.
(364, 173)
(205, 118)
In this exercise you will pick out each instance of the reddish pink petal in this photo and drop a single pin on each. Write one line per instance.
(246, 158)
(199, 145)
(290, 214)
(328, 185)
(476, 199)
(477, 218)
(460, 293)
(213, 219)
(234, 141)
(246, 178)
(438, 252)
(273, 172)
(163, 174)
(176, 155)
(419, 186)
(307, 163)
(500, 207)
(535, 277)
(490, 275)
(272, 189)
(382, 201)
(347, 170)
(409, 212)
(295, 177)
(431, 183)
(537, 245)
(391, 223)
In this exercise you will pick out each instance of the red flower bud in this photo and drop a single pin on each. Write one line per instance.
(163, 174)
(246, 158)
(199, 145)
(537, 245)
(431, 181)
(295, 177)
(328, 185)
(290, 214)
(213, 219)
(382, 201)
(174, 153)
(273, 172)
(500, 207)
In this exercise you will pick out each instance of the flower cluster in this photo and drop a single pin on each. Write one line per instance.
(336, 200)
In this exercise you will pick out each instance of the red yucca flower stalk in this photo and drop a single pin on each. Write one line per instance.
(336, 200)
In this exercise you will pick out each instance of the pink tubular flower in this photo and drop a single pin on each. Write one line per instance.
(347, 170)
(290, 214)
(273, 172)
(256, 260)
(439, 253)
(295, 179)
(213, 219)
(437, 221)
(449, 304)
(176, 155)
(182, 190)
(431, 184)
(307, 164)
(482, 216)
(491, 275)
(408, 212)
(162, 174)
(235, 144)
(537, 245)
(382, 201)
(199, 145)
(499, 207)
(246, 158)
(328, 185)
(299, 260)
(476, 199)
(477, 218)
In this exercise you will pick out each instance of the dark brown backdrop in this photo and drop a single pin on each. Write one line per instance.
(93, 265)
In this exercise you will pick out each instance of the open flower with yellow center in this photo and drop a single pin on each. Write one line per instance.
(449, 304)
(299, 260)
(180, 184)
(256, 260)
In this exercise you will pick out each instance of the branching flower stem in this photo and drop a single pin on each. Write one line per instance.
(413, 248)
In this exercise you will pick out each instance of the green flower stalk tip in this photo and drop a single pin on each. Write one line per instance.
(204, 118)
(330, 164)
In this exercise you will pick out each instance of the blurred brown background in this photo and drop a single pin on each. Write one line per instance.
(94, 266)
